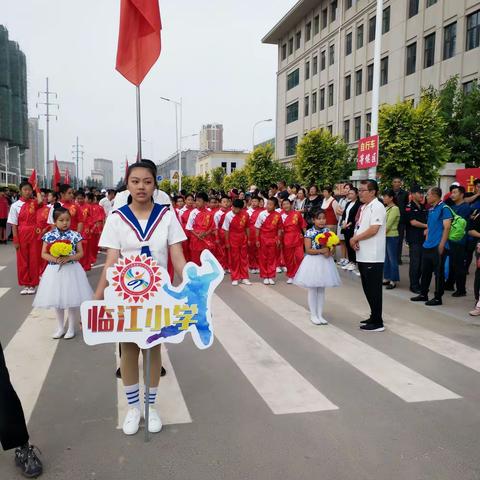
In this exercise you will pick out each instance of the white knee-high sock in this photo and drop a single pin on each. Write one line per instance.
(312, 301)
(320, 301)
(73, 316)
(60, 313)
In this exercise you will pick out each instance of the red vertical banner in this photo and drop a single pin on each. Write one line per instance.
(32, 180)
(57, 176)
(367, 152)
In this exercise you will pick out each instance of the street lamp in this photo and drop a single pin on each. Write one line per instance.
(255, 126)
(178, 126)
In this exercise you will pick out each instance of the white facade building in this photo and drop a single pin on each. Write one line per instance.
(228, 160)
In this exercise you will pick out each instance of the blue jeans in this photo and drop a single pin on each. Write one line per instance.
(390, 269)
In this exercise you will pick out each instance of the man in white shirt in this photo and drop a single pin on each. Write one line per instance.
(107, 202)
(369, 242)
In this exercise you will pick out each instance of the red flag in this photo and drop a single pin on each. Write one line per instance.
(67, 177)
(57, 178)
(139, 40)
(32, 180)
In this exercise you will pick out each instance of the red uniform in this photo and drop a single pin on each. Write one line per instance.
(237, 227)
(74, 210)
(293, 227)
(221, 253)
(98, 218)
(201, 221)
(270, 225)
(85, 213)
(41, 228)
(184, 216)
(330, 213)
(252, 240)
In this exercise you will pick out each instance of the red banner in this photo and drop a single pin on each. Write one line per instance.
(367, 152)
(466, 177)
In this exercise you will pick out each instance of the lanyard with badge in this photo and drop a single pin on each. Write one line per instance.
(359, 221)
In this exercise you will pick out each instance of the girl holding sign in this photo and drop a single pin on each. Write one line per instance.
(162, 235)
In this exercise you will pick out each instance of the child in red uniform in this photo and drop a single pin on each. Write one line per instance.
(269, 233)
(85, 212)
(98, 220)
(237, 232)
(294, 226)
(221, 253)
(4, 208)
(23, 218)
(202, 229)
(184, 216)
(253, 212)
(66, 200)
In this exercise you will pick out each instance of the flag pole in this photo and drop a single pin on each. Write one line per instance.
(139, 126)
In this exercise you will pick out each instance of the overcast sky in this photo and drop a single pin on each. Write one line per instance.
(212, 56)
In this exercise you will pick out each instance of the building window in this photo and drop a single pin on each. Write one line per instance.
(368, 124)
(369, 78)
(298, 40)
(233, 167)
(473, 30)
(315, 65)
(306, 107)
(322, 99)
(307, 70)
(331, 55)
(358, 82)
(330, 95)
(429, 51)
(412, 8)
(308, 31)
(359, 36)
(348, 4)
(323, 60)
(372, 25)
(411, 58)
(358, 128)
(330, 129)
(449, 40)
(468, 87)
(348, 44)
(284, 51)
(348, 87)
(290, 46)
(386, 20)
(292, 112)
(431, 2)
(346, 130)
(293, 79)
(314, 102)
(333, 10)
(291, 146)
(316, 25)
(324, 18)
(384, 71)
(224, 166)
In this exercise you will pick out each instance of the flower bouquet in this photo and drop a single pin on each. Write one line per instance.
(327, 240)
(60, 248)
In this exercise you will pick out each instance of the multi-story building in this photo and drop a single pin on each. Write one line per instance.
(106, 167)
(229, 160)
(211, 137)
(35, 154)
(325, 60)
(168, 168)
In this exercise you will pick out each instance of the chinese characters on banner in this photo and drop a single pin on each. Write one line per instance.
(466, 177)
(367, 152)
(141, 306)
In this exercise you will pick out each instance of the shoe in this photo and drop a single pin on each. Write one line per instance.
(132, 421)
(365, 322)
(163, 372)
(350, 267)
(25, 291)
(475, 312)
(154, 421)
(246, 281)
(69, 335)
(290, 281)
(434, 302)
(58, 334)
(315, 320)
(266, 282)
(419, 298)
(28, 462)
(321, 321)
(284, 269)
(386, 282)
(118, 373)
(372, 327)
(257, 270)
(343, 261)
(391, 286)
(279, 270)
(271, 281)
(459, 294)
(417, 291)
(235, 283)
(32, 290)
(356, 272)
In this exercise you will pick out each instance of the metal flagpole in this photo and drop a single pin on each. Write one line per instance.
(139, 126)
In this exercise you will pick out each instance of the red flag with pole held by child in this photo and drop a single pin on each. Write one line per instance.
(57, 176)
(32, 180)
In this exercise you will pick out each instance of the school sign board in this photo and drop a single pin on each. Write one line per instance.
(367, 152)
(466, 177)
(141, 306)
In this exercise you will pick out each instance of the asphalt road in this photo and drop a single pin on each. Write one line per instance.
(275, 397)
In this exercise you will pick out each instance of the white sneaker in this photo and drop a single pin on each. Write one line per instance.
(25, 291)
(235, 283)
(154, 421)
(132, 421)
(32, 290)
(279, 270)
(290, 281)
(284, 269)
(315, 320)
(246, 281)
(350, 267)
(271, 281)
(266, 282)
(257, 270)
(356, 272)
(58, 334)
(321, 321)
(70, 334)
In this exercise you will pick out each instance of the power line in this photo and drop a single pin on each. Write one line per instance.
(78, 153)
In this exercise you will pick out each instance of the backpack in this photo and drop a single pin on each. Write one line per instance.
(458, 228)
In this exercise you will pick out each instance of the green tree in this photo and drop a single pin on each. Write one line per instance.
(217, 175)
(238, 179)
(261, 168)
(187, 184)
(201, 183)
(321, 158)
(166, 186)
(412, 142)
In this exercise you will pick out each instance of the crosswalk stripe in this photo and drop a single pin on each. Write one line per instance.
(387, 372)
(171, 404)
(29, 355)
(3, 291)
(2, 267)
(282, 388)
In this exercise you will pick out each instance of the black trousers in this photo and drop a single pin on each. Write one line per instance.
(401, 238)
(352, 255)
(372, 278)
(457, 272)
(433, 264)
(415, 268)
(13, 429)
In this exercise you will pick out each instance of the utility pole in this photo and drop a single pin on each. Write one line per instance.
(47, 93)
(78, 153)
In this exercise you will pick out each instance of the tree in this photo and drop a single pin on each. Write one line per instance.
(201, 183)
(166, 186)
(237, 179)
(321, 158)
(261, 168)
(187, 184)
(412, 142)
(217, 175)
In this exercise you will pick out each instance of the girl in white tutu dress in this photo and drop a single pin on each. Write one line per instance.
(64, 284)
(317, 270)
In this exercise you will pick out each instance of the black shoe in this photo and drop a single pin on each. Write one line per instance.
(28, 462)
(419, 298)
(118, 373)
(365, 322)
(163, 372)
(459, 294)
(391, 286)
(434, 302)
(372, 327)
(415, 290)
(386, 282)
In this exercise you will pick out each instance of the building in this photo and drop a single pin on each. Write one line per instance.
(270, 141)
(99, 176)
(62, 166)
(325, 60)
(106, 167)
(35, 154)
(229, 160)
(211, 137)
(168, 167)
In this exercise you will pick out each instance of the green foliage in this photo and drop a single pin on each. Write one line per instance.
(166, 186)
(261, 167)
(412, 142)
(217, 175)
(321, 158)
(187, 184)
(201, 183)
(238, 179)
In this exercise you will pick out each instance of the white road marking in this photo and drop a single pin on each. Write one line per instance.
(387, 372)
(171, 404)
(282, 388)
(3, 291)
(29, 355)
(100, 265)
(2, 267)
